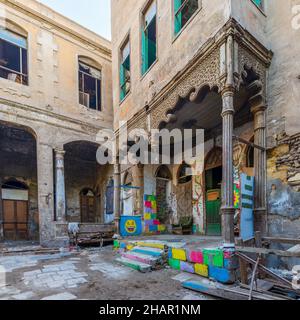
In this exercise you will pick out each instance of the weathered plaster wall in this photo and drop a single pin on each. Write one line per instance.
(49, 106)
(283, 119)
(173, 54)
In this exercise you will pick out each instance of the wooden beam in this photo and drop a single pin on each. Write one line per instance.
(279, 253)
(249, 143)
(282, 240)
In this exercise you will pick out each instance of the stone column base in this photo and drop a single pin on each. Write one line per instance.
(228, 224)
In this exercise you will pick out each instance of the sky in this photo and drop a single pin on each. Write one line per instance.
(92, 14)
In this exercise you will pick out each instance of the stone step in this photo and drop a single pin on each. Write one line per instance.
(152, 244)
(144, 258)
(148, 251)
(136, 265)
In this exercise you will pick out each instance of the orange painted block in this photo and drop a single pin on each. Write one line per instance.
(201, 269)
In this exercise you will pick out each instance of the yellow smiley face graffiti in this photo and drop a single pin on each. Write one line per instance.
(130, 226)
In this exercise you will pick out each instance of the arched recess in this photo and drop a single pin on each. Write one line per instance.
(18, 178)
(184, 192)
(163, 192)
(13, 52)
(127, 194)
(81, 170)
(213, 185)
(90, 83)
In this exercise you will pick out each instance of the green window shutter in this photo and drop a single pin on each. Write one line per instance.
(122, 82)
(177, 18)
(258, 3)
(144, 52)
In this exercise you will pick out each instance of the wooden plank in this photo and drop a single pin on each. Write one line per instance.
(243, 265)
(232, 293)
(282, 240)
(280, 253)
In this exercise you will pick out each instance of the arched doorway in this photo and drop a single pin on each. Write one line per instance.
(213, 185)
(15, 197)
(163, 192)
(87, 206)
(184, 192)
(19, 214)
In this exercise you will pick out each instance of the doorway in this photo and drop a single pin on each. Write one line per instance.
(15, 198)
(87, 206)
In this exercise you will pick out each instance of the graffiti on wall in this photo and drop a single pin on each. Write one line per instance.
(198, 204)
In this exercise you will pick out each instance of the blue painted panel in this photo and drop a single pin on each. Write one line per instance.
(130, 226)
(247, 204)
(221, 275)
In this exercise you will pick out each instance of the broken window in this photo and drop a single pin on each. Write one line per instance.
(13, 57)
(259, 3)
(125, 70)
(184, 10)
(89, 86)
(149, 37)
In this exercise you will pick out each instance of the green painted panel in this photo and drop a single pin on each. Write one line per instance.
(213, 257)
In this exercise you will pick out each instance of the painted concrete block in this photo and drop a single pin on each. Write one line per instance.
(153, 228)
(201, 270)
(170, 253)
(222, 275)
(116, 244)
(213, 257)
(156, 222)
(157, 245)
(150, 251)
(161, 228)
(179, 254)
(148, 223)
(130, 247)
(136, 265)
(123, 245)
(174, 264)
(187, 267)
(195, 256)
(147, 216)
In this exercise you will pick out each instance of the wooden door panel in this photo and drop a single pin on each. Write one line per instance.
(15, 216)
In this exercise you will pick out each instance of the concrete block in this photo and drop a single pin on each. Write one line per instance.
(179, 254)
(187, 267)
(201, 270)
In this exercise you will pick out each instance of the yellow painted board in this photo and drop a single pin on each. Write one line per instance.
(201, 269)
(179, 254)
(151, 245)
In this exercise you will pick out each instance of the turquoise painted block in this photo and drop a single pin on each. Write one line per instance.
(123, 245)
(222, 275)
(170, 256)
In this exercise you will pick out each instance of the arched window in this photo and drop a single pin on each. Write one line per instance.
(163, 172)
(184, 174)
(89, 83)
(250, 156)
(13, 53)
(14, 184)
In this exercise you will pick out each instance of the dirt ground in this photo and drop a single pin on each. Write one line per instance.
(89, 274)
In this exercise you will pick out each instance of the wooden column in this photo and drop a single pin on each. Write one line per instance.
(260, 166)
(117, 194)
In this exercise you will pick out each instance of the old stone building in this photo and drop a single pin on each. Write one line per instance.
(231, 68)
(55, 96)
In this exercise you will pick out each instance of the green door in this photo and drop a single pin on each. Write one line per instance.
(213, 216)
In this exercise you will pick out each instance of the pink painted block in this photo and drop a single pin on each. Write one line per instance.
(196, 257)
(148, 204)
(187, 267)
(156, 222)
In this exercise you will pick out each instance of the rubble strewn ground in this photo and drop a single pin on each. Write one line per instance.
(89, 274)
